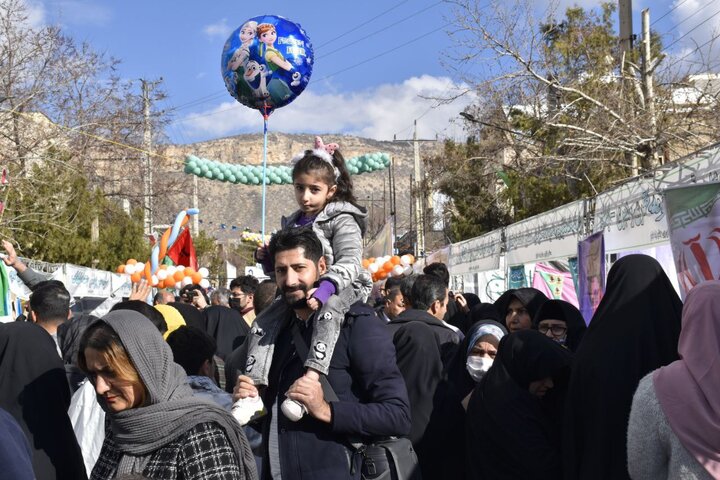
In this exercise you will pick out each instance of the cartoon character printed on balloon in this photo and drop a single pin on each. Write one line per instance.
(255, 77)
(240, 59)
(280, 70)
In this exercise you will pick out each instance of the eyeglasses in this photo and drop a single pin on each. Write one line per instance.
(556, 330)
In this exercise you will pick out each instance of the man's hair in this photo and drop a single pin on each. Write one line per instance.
(406, 287)
(152, 313)
(292, 238)
(264, 295)
(439, 270)
(191, 347)
(50, 302)
(247, 283)
(393, 282)
(426, 290)
(221, 296)
(161, 294)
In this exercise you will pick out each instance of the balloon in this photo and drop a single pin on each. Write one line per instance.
(373, 268)
(186, 281)
(204, 272)
(408, 270)
(135, 277)
(121, 269)
(171, 270)
(205, 283)
(129, 269)
(154, 280)
(180, 268)
(365, 263)
(382, 275)
(395, 260)
(267, 62)
(196, 278)
(405, 260)
(188, 271)
(178, 275)
(162, 274)
(178, 285)
(398, 270)
(132, 261)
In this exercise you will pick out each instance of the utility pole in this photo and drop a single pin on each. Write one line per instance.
(626, 45)
(648, 66)
(147, 87)
(418, 197)
(196, 219)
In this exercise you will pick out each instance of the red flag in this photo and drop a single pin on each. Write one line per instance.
(4, 177)
(183, 252)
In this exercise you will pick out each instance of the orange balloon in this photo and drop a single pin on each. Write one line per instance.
(189, 271)
(121, 269)
(135, 277)
(395, 260)
(161, 284)
(148, 272)
(196, 277)
(412, 259)
(388, 266)
(132, 261)
(371, 260)
(365, 263)
(382, 275)
(178, 276)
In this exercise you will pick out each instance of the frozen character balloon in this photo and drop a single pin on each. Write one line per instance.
(267, 62)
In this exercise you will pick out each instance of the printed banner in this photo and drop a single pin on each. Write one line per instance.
(554, 283)
(591, 274)
(517, 277)
(694, 224)
(491, 285)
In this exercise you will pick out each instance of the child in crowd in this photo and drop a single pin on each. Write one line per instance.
(324, 193)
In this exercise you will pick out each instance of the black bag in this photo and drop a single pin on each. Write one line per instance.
(389, 459)
(392, 459)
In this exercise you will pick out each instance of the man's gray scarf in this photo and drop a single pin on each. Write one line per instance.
(170, 410)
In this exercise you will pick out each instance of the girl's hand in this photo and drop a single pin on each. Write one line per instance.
(313, 302)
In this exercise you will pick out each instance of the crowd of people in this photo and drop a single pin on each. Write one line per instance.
(302, 375)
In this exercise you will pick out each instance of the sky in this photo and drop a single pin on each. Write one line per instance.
(378, 63)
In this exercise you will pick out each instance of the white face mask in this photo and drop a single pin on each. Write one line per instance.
(477, 367)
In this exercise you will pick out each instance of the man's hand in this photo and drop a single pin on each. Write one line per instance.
(313, 302)
(244, 388)
(11, 259)
(308, 391)
(140, 291)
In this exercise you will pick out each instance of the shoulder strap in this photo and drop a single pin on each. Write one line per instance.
(302, 350)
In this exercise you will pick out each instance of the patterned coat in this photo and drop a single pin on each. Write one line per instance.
(202, 453)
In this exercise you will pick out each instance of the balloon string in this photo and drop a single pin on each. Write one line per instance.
(264, 169)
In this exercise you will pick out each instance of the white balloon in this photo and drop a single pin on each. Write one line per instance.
(404, 260)
(398, 270)
(178, 285)
(139, 267)
(204, 272)
(390, 274)
(408, 270)
(180, 268)
(154, 280)
(171, 270)
(129, 269)
(186, 281)
(162, 274)
(373, 267)
(205, 283)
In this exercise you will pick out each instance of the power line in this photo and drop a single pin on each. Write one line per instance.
(362, 24)
(383, 29)
(694, 28)
(668, 12)
(375, 57)
(688, 17)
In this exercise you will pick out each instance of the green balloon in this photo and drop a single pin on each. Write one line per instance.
(197, 171)
(209, 174)
(220, 176)
(231, 178)
(255, 180)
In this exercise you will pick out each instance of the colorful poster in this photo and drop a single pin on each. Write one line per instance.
(694, 224)
(554, 283)
(591, 274)
(517, 277)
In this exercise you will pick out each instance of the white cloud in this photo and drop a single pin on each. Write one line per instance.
(701, 28)
(36, 13)
(378, 113)
(218, 29)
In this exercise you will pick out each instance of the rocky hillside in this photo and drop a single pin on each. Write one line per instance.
(228, 204)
